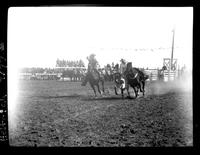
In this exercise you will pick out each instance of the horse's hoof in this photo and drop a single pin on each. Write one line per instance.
(136, 97)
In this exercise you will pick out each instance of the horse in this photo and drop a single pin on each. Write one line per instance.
(136, 79)
(134, 82)
(120, 83)
(142, 78)
(93, 77)
(108, 75)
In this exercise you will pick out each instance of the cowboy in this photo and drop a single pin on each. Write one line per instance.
(113, 66)
(122, 68)
(129, 69)
(116, 68)
(93, 63)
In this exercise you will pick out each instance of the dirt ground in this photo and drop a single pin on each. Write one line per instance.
(55, 113)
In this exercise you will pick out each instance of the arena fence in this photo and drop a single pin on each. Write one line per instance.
(39, 76)
(154, 74)
(170, 75)
(167, 75)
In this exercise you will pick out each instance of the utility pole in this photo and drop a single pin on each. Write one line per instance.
(172, 49)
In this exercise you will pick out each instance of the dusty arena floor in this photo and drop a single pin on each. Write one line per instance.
(55, 113)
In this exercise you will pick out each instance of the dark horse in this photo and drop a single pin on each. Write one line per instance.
(136, 79)
(93, 78)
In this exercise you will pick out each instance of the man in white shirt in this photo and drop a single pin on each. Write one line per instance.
(122, 68)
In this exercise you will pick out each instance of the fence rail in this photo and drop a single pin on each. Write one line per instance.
(154, 74)
(167, 75)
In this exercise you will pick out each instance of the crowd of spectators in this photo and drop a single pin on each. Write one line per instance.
(59, 63)
(69, 63)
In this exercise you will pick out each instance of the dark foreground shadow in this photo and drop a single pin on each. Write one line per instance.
(86, 98)
(106, 98)
(62, 96)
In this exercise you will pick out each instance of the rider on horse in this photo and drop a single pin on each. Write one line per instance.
(93, 63)
(129, 70)
(133, 72)
(122, 68)
(116, 68)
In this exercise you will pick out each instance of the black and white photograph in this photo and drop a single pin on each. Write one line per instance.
(85, 76)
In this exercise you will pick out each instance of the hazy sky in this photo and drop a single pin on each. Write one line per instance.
(37, 36)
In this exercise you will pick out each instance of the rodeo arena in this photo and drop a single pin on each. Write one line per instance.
(74, 104)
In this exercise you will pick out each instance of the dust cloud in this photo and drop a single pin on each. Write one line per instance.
(183, 89)
(182, 84)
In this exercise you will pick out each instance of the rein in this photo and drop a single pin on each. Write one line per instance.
(134, 76)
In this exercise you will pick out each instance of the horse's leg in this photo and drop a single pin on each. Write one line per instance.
(98, 89)
(127, 89)
(122, 92)
(139, 84)
(93, 89)
(116, 90)
(143, 87)
(102, 82)
(135, 90)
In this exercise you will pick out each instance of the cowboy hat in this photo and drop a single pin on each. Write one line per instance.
(92, 55)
